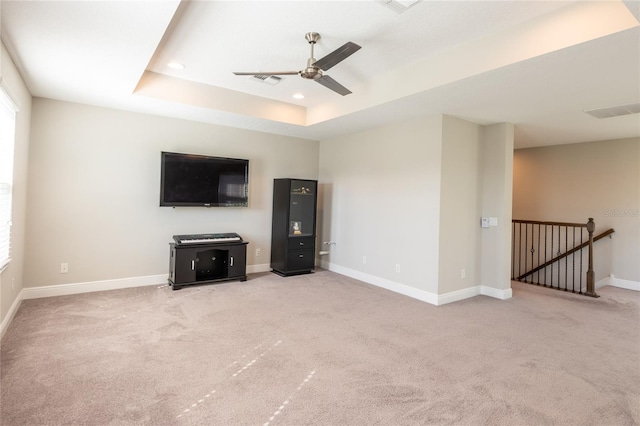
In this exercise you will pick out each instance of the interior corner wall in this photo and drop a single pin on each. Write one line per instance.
(497, 189)
(460, 206)
(379, 205)
(570, 183)
(11, 278)
(94, 185)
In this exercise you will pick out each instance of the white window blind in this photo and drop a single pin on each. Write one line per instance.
(7, 140)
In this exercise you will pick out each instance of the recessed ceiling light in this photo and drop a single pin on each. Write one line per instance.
(176, 65)
(298, 96)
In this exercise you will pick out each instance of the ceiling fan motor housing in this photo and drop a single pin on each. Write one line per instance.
(311, 73)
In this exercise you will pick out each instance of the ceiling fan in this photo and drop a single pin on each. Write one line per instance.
(314, 68)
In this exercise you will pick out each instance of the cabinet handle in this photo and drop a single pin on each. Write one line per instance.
(301, 243)
(231, 261)
(301, 256)
(193, 265)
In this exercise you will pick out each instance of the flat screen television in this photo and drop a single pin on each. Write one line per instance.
(200, 180)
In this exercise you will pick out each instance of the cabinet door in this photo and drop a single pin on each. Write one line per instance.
(237, 266)
(302, 208)
(185, 265)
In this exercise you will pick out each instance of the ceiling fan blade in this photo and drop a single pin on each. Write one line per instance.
(330, 83)
(268, 73)
(338, 55)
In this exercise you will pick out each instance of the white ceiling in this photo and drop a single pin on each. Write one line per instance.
(537, 64)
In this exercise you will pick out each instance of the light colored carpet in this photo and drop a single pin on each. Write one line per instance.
(321, 349)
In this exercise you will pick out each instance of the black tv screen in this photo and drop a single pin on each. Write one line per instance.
(200, 180)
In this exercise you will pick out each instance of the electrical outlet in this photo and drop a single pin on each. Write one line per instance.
(364, 260)
(397, 268)
(463, 273)
(64, 268)
(258, 252)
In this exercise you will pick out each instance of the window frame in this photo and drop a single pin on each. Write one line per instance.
(9, 114)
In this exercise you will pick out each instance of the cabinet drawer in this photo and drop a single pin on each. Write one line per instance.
(301, 243)
(300, 260)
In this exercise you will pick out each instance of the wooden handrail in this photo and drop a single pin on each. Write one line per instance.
(539, 222)
(563, 255)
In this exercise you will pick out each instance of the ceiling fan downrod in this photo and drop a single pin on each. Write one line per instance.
(311, 72)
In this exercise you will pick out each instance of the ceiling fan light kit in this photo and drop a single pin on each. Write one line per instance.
(314, 69)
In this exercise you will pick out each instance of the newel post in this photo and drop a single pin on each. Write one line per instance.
(591, 290)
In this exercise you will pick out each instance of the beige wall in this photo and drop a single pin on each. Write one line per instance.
(94, 181)
(412, 194)
(380, 199)
(476, 182)
(571, 183)
(460, 205)
(11, 279)
(497, 189)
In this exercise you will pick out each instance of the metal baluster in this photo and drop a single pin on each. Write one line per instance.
(513, 250)
(538, 280)
(546, 233)
(558, 254)
(520, 251)
(573, 259)
(532, 250)
(526, 243)
(566, 249)
(551, 274)
(581, 256)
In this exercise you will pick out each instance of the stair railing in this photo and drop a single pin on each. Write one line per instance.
(552, 254)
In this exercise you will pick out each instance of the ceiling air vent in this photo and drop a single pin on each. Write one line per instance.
(398, 6)
(614, 111)
(268, 79)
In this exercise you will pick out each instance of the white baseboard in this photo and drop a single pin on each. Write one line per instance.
(455, 296)
(468, 292)
(415, 293)
(620, 283)
(253, 269)
(425, 296)
(88, 287)
(496, 292)
(12, 312)
(628, 284)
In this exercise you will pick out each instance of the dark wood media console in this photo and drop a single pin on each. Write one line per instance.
(207, 263)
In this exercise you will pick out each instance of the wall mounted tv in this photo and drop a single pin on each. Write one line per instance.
(200, 180)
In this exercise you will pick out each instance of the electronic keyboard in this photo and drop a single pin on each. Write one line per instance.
(207, 238)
